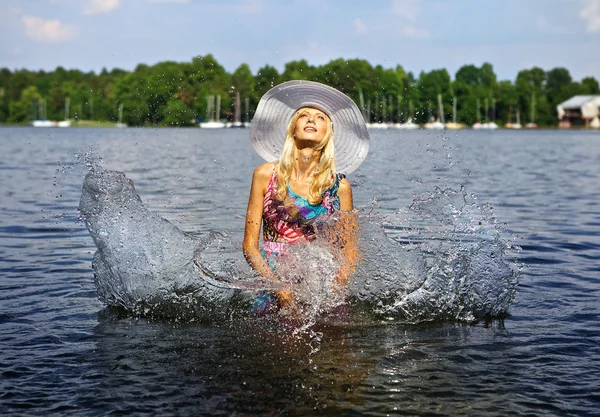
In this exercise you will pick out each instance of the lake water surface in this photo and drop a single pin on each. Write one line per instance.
(62, 352)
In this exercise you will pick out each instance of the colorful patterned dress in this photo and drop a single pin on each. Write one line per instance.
(294, 219)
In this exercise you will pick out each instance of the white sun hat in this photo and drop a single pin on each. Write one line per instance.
(278, 105)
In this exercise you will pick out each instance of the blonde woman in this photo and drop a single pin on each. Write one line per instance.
(306, 131)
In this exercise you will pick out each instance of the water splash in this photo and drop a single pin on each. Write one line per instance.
(442, 258)
(147, 265)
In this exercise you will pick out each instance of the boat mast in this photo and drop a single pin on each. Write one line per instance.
(440, 109)
(210, 100)
(361, 99)
(454, 110)
(399, 109)
(487, 107)
(218, 108)
(237, 115)
(67, 105)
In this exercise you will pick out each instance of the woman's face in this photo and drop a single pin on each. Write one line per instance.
(311, 125)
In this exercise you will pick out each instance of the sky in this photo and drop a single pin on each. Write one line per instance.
(419, 35)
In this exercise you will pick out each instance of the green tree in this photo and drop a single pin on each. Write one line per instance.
(5, 76)
(531, 85)
(25, 108)
(506, 103)
(428, 87)
(474, 85)
(176, 113)
(298, 70)
(590, 85)
(266, 78)
(558, 86)
(206, 77)
(242, 82)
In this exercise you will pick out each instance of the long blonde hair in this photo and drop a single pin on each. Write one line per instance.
(323, 175)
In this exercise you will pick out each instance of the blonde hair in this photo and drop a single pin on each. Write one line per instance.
(323, 174)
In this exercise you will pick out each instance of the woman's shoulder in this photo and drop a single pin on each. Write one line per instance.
(263, 172)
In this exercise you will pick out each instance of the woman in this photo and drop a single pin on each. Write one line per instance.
(306, 131)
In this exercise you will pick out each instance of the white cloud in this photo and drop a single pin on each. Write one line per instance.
(408, 9)
(359, 27)
(50, 31)
(169, 1)
(101, 6)
(414, 33)
(591, 14)
(250, 7)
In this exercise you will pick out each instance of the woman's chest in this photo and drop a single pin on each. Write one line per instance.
(299, 188)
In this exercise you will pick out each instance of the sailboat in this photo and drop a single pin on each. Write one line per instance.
(532, 124)
(247, 122)
(120, 122)
(210, 114)
(477, 124)
(361, 99)
(489, 125)
(453, 124)
(66, 122)
(509, 124)
(40, 120)
(379, 114)
(492, 124)
(409, 124)
(237, 112)
(438, 123)
(518, 124)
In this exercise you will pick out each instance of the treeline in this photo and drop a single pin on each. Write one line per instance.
(179, 93)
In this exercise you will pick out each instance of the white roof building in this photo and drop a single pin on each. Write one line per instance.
(579, 110)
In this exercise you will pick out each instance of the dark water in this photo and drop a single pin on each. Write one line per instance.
(61, 352)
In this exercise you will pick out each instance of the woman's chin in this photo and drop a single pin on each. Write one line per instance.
(307, 141)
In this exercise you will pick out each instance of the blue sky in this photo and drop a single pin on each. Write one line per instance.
(420, 35)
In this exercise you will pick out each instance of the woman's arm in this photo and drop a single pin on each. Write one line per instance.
(345, 195)
(346, 233)
(254, 213)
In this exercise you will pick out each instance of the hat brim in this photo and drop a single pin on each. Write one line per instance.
(278, 105)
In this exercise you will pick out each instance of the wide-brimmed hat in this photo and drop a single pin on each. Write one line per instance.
(278, 105)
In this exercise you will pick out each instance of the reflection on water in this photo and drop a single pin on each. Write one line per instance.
(62, 353)
(239, 366)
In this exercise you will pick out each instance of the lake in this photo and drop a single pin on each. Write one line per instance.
(62, 352)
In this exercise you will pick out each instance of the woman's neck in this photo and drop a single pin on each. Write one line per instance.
(306, 162)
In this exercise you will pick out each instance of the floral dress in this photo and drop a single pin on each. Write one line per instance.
(294, 219)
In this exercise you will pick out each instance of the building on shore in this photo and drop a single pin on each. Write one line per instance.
(579, 111)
